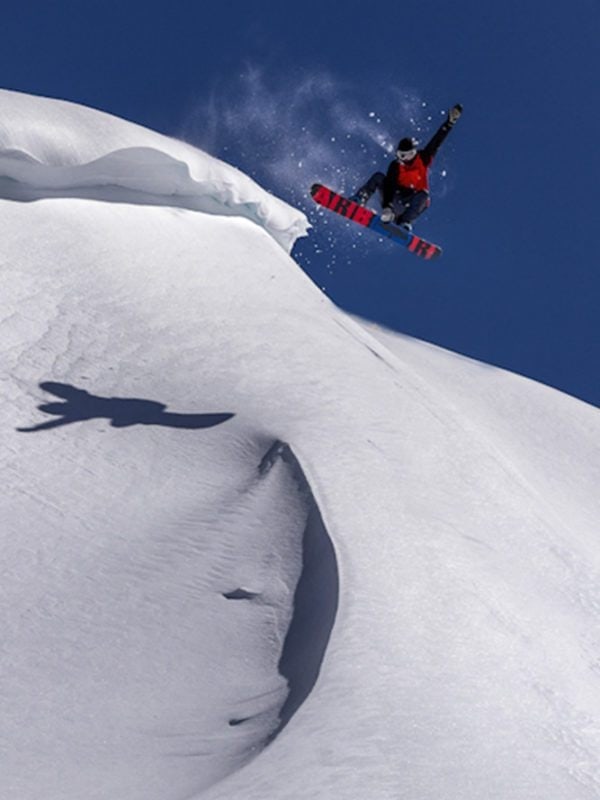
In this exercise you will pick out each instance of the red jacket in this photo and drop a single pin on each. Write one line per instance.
(406, 178)
(413, 175)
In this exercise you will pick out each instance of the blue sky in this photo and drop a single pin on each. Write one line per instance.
(315, 91)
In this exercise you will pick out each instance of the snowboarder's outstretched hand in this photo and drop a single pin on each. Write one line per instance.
(387, 215)
(454, 113)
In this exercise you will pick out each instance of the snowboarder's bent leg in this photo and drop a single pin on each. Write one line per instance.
(375, 183)
(414, 205)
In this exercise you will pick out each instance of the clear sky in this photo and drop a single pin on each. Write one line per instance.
(316, 90)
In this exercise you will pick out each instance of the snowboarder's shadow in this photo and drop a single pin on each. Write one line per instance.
(77, 405)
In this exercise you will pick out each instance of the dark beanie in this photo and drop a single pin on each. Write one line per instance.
(407, 143)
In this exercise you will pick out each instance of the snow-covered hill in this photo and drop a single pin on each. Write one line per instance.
(232, 516)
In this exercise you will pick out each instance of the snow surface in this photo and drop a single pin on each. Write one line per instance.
(254, 548)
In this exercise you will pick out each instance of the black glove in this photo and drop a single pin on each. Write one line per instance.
(454, 114)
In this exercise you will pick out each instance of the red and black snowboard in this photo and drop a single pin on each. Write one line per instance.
(363, 216)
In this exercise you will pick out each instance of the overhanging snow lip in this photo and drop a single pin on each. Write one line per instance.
(69, 142)
(147, 175)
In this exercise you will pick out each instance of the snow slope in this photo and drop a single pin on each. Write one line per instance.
(234, 517)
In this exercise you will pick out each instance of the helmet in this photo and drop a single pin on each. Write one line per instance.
(408, 143)
(407, 149)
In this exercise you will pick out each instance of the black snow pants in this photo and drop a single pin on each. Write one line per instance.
(407, 204)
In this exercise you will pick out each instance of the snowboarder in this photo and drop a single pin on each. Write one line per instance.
(404, 190)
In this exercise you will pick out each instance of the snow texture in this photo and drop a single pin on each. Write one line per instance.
(252, 547)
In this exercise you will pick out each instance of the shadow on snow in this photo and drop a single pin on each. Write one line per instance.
(77, 405)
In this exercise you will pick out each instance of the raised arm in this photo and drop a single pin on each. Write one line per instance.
(433, 145)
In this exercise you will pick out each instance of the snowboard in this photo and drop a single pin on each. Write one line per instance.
(363, 216)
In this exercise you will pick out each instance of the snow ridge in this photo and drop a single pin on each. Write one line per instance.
(79, 152)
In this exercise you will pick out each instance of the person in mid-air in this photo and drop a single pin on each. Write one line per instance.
(404, 190)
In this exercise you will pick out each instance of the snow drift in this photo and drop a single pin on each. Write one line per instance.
(252, 547)
(68, 149)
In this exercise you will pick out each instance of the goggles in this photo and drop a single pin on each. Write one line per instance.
(406, 155)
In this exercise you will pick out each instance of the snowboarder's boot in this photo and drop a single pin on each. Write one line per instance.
(360, 197)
